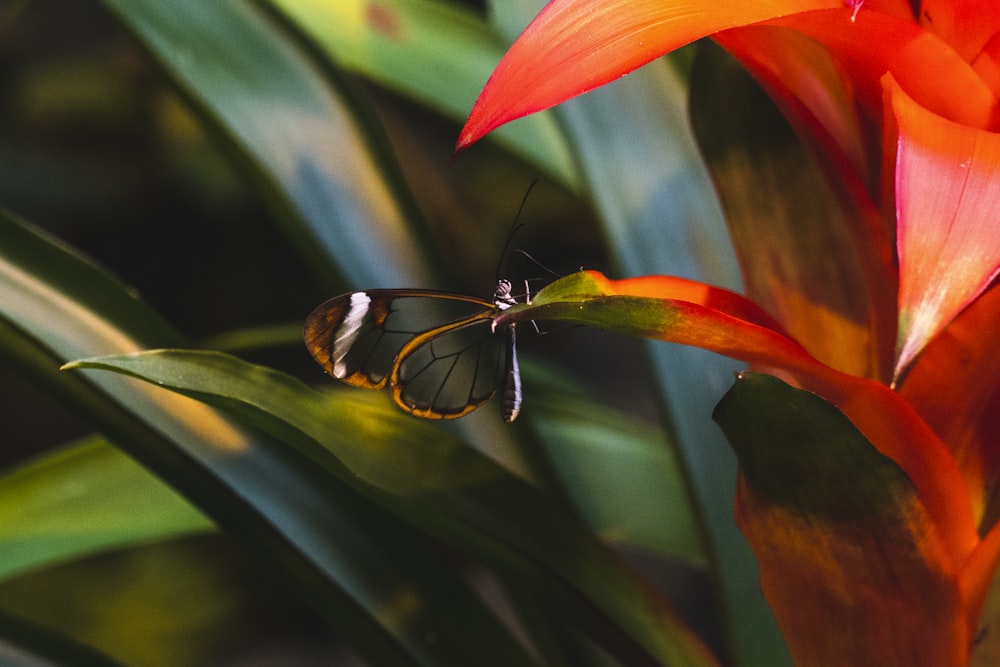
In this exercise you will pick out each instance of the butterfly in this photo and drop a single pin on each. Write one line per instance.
(437, 351)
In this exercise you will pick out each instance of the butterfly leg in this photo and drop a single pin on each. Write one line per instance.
(527, 300)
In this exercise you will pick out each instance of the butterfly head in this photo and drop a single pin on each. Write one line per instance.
(502, 297)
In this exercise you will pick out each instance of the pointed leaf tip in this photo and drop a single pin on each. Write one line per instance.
(573, 47)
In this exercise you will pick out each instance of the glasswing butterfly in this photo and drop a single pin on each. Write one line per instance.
(395, 337)
(439, 352)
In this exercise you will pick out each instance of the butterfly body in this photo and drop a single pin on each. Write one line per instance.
(437, 351)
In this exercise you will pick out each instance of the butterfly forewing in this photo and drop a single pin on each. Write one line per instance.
(435, 348)
(347, 335)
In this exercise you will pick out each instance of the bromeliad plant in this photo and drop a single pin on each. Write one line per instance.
(870, 498)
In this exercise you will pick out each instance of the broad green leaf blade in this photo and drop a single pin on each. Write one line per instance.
(661, 215)
(440, 485)
(262, 492)
(81, 499)
(435, 52)
(671, 309)
(303, 140)
(178, 602)
(816, 501)
(620, 473)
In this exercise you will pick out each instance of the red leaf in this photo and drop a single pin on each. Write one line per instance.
(574, 46)
(955, 386)
(947, 188)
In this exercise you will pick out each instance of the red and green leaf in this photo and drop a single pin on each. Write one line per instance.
(816, 501)
(680, 311)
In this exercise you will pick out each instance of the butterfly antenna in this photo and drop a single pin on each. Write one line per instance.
(513, 229)
(539, 264)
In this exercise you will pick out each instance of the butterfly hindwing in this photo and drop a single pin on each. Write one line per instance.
(449, 371)
(435, 349)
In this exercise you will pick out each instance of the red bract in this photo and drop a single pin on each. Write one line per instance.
(947, 189)
(898, 101)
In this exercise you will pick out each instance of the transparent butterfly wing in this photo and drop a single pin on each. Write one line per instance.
(450, 371)
(435, 349)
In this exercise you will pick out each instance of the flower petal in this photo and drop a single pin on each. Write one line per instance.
(850, 561)
(574, 46)
(947, 190)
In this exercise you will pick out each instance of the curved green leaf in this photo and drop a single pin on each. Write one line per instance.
(262, 492)
(81, 499)
(438, 484)
(303, 140)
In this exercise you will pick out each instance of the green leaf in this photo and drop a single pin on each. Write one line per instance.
(81, 499)
(674, 310)
(27, 644)
(408, 45)
(801, 453)
(298, 134)
(178, 602)
(619, 472)
(440, 485)
(258, 490)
